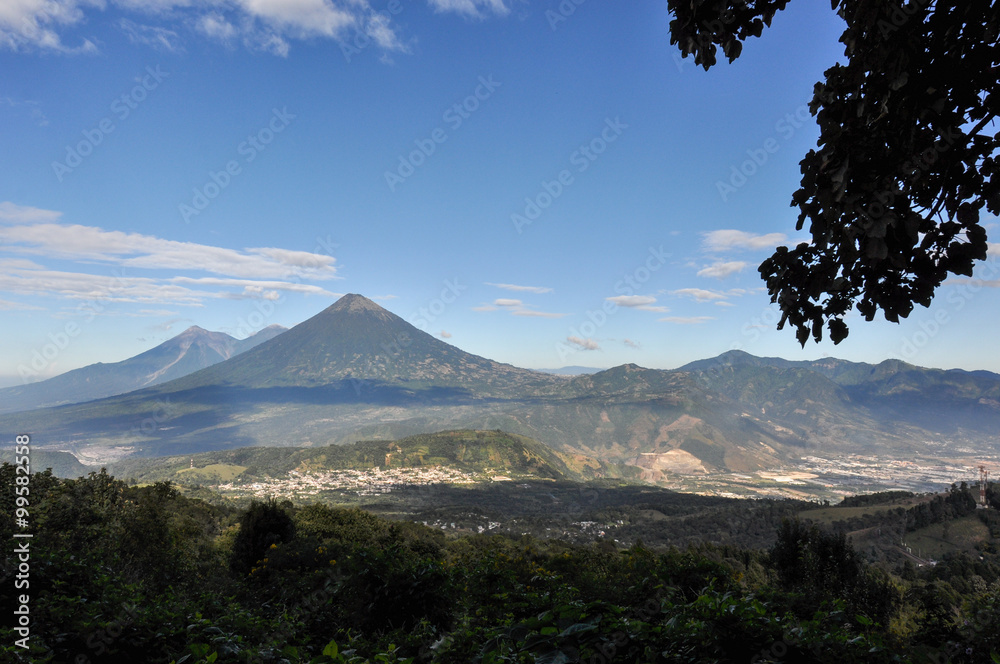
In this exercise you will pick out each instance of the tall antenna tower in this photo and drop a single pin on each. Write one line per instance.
(984, 476)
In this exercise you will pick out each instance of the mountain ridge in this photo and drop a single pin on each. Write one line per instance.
(355, 371)
(192, 349)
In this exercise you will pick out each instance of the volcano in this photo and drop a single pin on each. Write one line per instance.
(357, 340)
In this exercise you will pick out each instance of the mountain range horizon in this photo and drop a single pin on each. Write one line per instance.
(356, 371)
(362, 303)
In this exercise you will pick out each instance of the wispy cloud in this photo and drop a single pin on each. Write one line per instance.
(160, 39)
(134, 250)
(471, 8)
(736, 240)
(583, 344)
(529, 313)
(254, 288)
(516, 308)
(7, 305)
(503, 302)
(444, 335)
(20, 214)
(33, 107)
(722, 269)
(687, 320)
(115, 266)
(700, 294)
(641, 302)
(717, 297)
(524, 289)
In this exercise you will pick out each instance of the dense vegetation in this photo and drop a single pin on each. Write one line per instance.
(125, 573)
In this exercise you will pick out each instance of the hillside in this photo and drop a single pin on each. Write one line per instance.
(484, 454)
(530, 571)
(953, 403)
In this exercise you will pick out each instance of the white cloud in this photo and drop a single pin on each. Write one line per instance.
(689, 320)
(154, 312)
(7, 305)
(470, 8)
(134, 250)
(261, 25)
(718, 298)
(516, 308)
(631, 300)
(19, 264)
(253, 288)
(720, 270)
(731, 239)
(503, 302)
(148, 35)
(20, 214)
(977, 283)
(583, 344)
(700, 294)
(121, 287)
(444, 335)
(216, 26)
(29, 24)
(257, 273)
(377, 27)
(525, 289)
(96, 287)
(536, 314)
(643, 302)
(632, 344)
(303, 18)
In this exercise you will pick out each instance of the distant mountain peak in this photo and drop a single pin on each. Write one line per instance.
(193, 349)
(354, 303)
(195, 329)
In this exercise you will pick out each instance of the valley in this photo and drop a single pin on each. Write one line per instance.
(733, 426)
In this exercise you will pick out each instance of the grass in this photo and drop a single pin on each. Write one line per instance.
(828, 515)
(962, 535)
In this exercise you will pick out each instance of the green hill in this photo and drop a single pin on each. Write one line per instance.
(63, 464)
(484, 453)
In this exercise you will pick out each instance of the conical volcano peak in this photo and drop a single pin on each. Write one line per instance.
(194, 329)
(354, 303)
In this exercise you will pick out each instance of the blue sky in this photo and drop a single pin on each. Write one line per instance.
(540, 187)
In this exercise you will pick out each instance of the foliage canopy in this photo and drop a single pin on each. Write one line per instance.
(906, 161)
